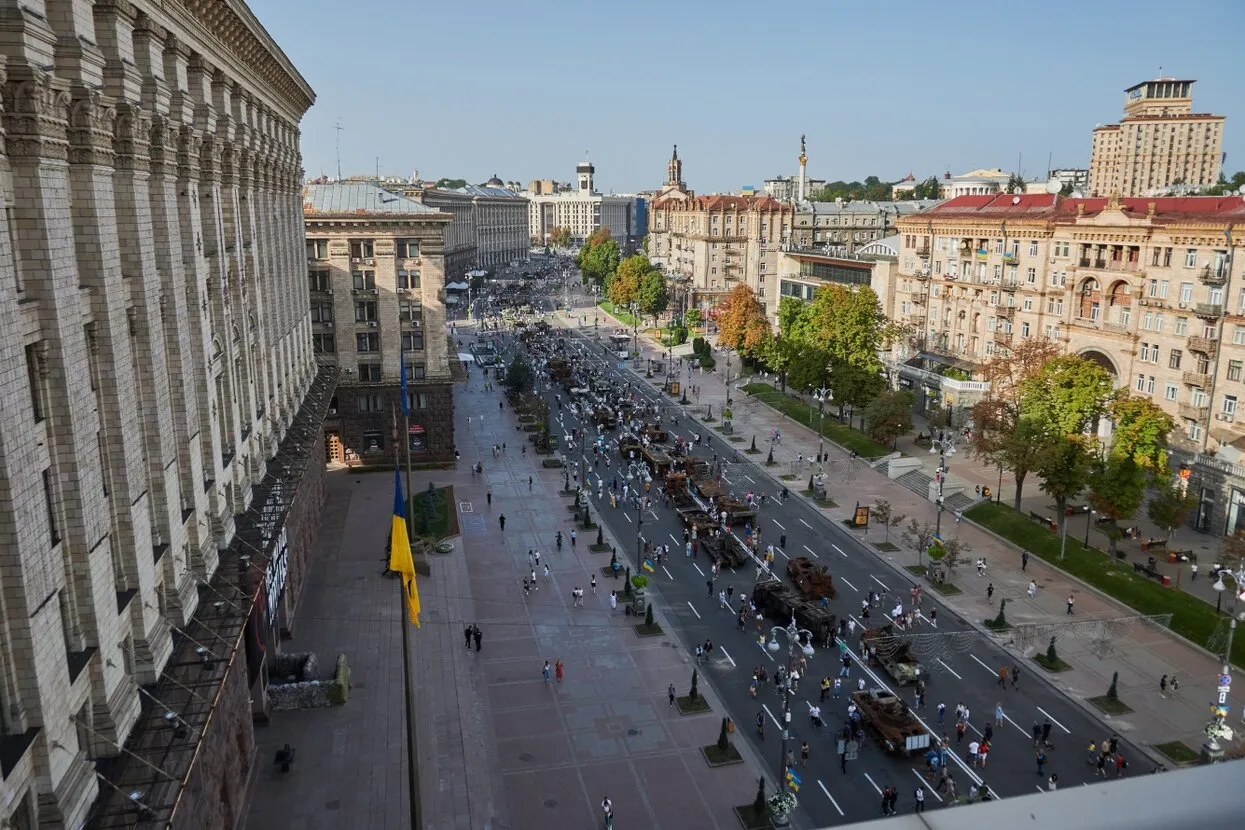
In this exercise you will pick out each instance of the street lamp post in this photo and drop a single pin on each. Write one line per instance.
(822, 394)
(803, 638)
(1217, 727)
(1089, 519)
(944, 447)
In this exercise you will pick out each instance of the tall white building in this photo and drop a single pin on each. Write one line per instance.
(581, 211)
(161, 462)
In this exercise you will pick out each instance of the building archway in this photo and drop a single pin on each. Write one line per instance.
(1089, 300)
(1120, 302)
(1103, 427)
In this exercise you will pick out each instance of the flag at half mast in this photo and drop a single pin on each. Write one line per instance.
(400, 561)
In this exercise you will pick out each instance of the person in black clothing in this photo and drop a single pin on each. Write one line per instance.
(475, 632)
(467, 635)
(1046, 731)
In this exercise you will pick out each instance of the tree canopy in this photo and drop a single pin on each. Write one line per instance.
(742, 325)
(599, 257)
(652, 296)
(560, 237)
(872, 188)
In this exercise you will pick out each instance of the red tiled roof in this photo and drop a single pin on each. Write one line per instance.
(1047, 206)
(723, 202)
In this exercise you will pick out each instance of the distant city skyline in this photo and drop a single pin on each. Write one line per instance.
(522, 90)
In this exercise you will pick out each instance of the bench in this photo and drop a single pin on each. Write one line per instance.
(1174, 556)
(1043, 520)
(1141, 567)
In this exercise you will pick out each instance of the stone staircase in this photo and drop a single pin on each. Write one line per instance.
(917, 482)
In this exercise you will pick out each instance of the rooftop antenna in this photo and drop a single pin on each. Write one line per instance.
(339, 129)
(378, 168)
(1049, 156)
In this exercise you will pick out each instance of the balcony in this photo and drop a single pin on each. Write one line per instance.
(1205, 345)
(1007, 311)
(1198, 379)
(1211, 311)
(1003, 337)
(921, 274)
(1117, 328)
(923, 251)
(1213, 274)
(1010, 285)
(1192, 412)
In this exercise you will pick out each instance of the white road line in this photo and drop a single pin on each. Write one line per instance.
(784, 554)
(727, 480)
(672, 539)
(921, 778)
(628, 517)
(880, 582)
(698, 570)
(1052, 720)
(775, 521)
(811, 551)
(771, 716)
(1039, 789)
(1018, 726)
(948, 668)
(984, 666)
(727, 656)
(875, 786)
(835, 803)
(667, 570)
(839, 549)
(849, 585)
(765, 651)
(750, 479)
(806, 524)
(694, 611)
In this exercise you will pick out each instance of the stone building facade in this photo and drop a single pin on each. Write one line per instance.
(1160, 143)
(1149, 288)
(376, 274)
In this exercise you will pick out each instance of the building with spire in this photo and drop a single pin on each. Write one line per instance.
(581, 211)
(1160, 144)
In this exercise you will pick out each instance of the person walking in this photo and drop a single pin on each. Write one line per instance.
(990, 591)
(998, 714)
(557, 669)
(613, 600)
(1032, 588)
(547, 578)
(594, 585)
(607, 808)
(1003, 677)
(477, 634)
(501, 520)
(1053, 782)
(1041, 762)
(1024, 560)
(942, 712)
(574, 536)
(919, 795)
(488, 497)
(671, 694)
(467, 635)
(545, 672)
(1070, 601)
(1015, 677)
(1163, 686)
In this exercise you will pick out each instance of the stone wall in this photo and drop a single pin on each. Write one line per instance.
(301, 524)
(215, 790)
(437, 421)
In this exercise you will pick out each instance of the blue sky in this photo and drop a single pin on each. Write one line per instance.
(468, 88)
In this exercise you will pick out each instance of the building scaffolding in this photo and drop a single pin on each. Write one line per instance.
(143, 783)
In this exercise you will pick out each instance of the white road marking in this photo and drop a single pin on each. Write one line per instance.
(694, 611)
(750, 479)
(698, 570)
(806, 524)
(832, 801)
(628, 517)
(1052, 720)
(667, 570)
(921, 778)
(727, 656)
(880, 582)
(984, 666)
(771, 716)
(672, 539)
(839, 549)
(811, 551)
(849, 585)
(948, 668)
(775, 521)
(784, 554)
(727, 480)
(1018, 726)
(875, 786)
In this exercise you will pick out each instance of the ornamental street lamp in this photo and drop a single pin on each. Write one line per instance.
(944, 447)
(1217, 727)
(802, 638)
(822, 396)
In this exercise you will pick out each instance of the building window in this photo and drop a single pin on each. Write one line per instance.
(363, 280)
(1174, 358)
(34, 381)
(318, 280)
(365, 312)
(1145, 352)
(1182, 325)
(1170, 392)
(361, 249)
(321, 312)
(1150, 385)
(418, 371)
(408, 280)
(367, 342)
(1190, 258)
(1186, 292)
(370, 403)
(323, 344)
(406, 248)
(1141, 383)
(1195, 431)
(1024, 329)
(49, 500)
(317, 249)
(411, 311)
(413, 341)
(1033, 248)
(1229, 404)
(417, 400)
(1234, 369)
(369, 372)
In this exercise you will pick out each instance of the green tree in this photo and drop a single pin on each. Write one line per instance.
(1067, 190)
(889, 415)
(808, 368)
(1015, 184)
(931, 188)
(884, 513)
(623, 288)
(1063, 465)
(519, 377)
(1170, 505)
(1226, 185)
(919, 536)
(1140, 432)
(854, 386)
(652, 296)
(601, 261)
(560, 237)
(644, 244)
(692, 317)
(450, 184)
(1117, 486)
(1066, 396)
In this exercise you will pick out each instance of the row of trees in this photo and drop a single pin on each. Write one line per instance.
(560, 237)
(599, 257)
(640, 282)
(1042, 417)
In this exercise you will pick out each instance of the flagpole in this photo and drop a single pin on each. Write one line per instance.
(412, 751)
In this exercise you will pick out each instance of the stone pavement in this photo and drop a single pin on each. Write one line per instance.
(498, 747)
(1137, 651)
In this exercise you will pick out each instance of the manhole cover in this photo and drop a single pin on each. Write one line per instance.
(551, 802)
(335, 804)
(633, 732)
(525, 756)
(443, 547)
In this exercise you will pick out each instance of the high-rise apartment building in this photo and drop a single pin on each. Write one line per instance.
(1152, 289)
(1159, 144)
(161, 461)
(376, 274)
(581, 210)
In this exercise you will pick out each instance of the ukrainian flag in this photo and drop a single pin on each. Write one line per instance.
(793, 781)
(400, 561)
(648, 566)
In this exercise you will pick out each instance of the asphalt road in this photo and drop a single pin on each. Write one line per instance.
(962, 664)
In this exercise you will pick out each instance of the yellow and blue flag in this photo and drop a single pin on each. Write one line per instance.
(794, 781)
(648, 566)
(400, 560)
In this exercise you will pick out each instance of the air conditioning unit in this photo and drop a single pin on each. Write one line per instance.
(332, 410)
(328, 291)
(1223, 416)
(369, 262)
(1184, 305)
(1143, 302)
(373, 291)
(372, 324)
(328, 324)
(354, 260)
(348, 371)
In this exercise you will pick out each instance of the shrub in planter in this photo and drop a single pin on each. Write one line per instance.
(639, 582)
(339, 687)
(648, 615)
